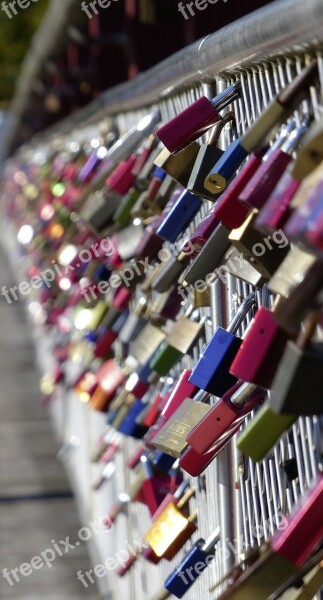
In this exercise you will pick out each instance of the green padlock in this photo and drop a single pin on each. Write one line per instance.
(181, 339)
(122, 216)
(263, 432)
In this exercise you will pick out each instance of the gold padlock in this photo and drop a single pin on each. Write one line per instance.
(179, 165)
(291, 271)
(262, 252)
(146, 343)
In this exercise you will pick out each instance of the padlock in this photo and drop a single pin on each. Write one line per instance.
(201, 234)
(235, 264)
(155, 488)
(109, 377)
(192, 565)
(129, 425)
(208, 155)
(211, 373)
(180, 340)
(194, 464)
(170, 272)
(150, 243)
(208, 258)
(122, 215)
(262, 252)
(167, 305)
(195, 120)
(307, 204)
(122, 178)
(182, 390)
(261, 350)
(229, 412)
(106, 474)
(291, 271)
(170, 531)
(229, 210)
(146, 343)
(180, 497)
(179, 166)
(297, 385)
(179, 217)
(156, 182)
(281, 562)
(171, 438)
(275, 163)
(278, 208)
(263, 432)
(259, 134)
(136, 321)
(303, 297)
(106, 336)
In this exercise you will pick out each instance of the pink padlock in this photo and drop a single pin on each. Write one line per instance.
(122, 178)
(239, 401)
(276, 210)
(261, 350)
(195, 120)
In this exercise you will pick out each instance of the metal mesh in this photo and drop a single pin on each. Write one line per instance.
(245, 499)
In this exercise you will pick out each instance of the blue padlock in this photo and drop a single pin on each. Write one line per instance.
(226, 167)
(179, 216)
(192, 566)
(129, 425)
(163, 461)
(212, 370)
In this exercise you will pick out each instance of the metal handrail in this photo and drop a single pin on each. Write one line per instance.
(271, 30)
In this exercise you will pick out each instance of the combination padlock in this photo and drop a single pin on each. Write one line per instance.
(258, 135)
(195, 120)
(211, 373)
(225, 416)
(181, 339)
(192, 565)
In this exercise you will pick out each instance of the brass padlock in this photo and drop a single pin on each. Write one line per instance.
(291, 271)
(179, 166)
(171, 438)
(146, 343)
(264, 253)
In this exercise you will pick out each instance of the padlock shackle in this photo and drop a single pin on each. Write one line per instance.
(295, 137)
(242, 312)
(211, 541)
(218, 127)
(226, 97)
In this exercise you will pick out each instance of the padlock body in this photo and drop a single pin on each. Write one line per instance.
(208, 155)
(179, 216)
(261, 350)
(178, 585)
(212, 371)
(165, 358)
(219, 176)
(297, 386)
(189, 125)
